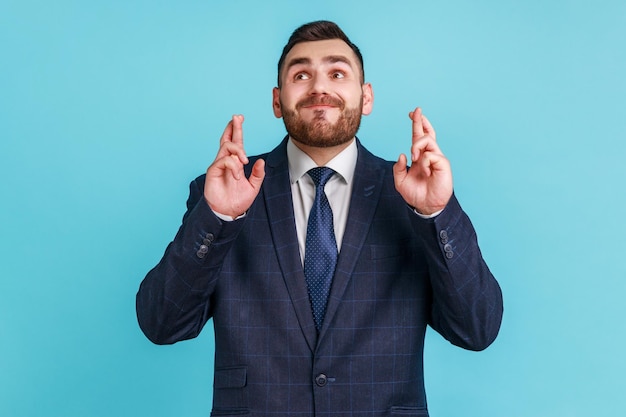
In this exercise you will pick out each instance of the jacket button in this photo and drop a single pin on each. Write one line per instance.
(210, 237)
(321, 380)
(204, 249)
(443, 236)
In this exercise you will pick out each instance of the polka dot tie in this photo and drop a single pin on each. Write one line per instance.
(320, 255)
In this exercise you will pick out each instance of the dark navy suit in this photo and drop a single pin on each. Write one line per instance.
(395, 274)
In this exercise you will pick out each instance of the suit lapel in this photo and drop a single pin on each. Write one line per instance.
(368, 179)
(279, 206)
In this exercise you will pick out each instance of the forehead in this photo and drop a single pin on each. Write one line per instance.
(319, 51)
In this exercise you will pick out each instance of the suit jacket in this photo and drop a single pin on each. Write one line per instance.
(395, 274)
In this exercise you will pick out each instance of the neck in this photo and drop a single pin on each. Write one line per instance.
(320, 155)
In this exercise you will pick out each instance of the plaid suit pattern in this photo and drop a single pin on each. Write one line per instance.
(394, 276)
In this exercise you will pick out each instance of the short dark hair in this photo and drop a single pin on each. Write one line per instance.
(319, 30)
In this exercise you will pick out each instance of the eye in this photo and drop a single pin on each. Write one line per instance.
(338, 75)
(301, 76)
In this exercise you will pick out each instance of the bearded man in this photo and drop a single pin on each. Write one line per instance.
(321, 264)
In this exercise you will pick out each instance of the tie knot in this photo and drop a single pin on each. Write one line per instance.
(321, 175)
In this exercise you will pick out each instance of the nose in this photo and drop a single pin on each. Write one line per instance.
(319, 85)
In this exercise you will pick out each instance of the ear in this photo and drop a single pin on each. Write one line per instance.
(368, 98)
(276, 102)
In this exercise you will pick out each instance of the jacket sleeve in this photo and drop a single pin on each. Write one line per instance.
(174, 299)
(467, 300)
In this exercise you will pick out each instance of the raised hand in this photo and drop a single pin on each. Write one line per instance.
(427, 184)
(226, 189)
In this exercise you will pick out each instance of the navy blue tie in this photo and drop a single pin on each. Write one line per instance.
(320, 254)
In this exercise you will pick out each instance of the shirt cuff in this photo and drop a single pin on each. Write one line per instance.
(428, 216)
(226, 217)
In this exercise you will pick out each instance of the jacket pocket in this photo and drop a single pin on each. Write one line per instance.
(409, 411)
(230, 392)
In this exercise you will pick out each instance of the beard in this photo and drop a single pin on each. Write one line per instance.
(320, 132)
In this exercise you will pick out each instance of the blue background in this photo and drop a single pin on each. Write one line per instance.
(109, 109)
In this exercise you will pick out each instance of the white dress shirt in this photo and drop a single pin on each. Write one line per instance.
(338, 189)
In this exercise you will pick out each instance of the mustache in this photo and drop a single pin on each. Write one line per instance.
(320, 101)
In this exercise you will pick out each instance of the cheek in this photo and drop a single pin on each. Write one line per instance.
(352, 95)
(289, 96)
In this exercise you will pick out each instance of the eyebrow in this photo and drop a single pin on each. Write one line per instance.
(338, 58)
(332, 59)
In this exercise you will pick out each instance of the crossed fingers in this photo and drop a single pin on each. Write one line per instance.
(231, 155)
(424, 138)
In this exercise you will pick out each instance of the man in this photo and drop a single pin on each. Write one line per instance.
(320, 299)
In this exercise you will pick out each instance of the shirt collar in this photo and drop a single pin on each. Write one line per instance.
(300, 163)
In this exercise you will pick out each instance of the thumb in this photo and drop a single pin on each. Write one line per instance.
(257, 175)
(399, 169)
